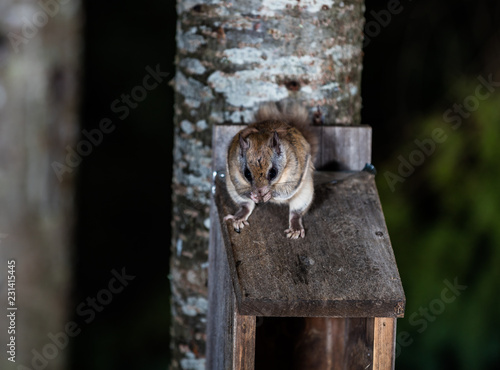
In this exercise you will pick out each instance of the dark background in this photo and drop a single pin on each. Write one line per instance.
(124, 187)
(427, 58)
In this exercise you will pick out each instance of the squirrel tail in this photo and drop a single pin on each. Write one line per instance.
(295, 115)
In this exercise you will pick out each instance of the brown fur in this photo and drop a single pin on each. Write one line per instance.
(271, 160)
(293, 114)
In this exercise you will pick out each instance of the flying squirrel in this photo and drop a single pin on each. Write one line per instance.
(271, 160)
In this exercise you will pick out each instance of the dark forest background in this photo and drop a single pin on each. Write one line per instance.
(443, 217)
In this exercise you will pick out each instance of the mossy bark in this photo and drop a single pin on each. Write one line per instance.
(232, 56)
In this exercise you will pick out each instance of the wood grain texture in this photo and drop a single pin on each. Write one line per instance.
(230, 336)
(345, 266)
(222, 304)
(222, 136)
(344, 342)
(335, 344)
(342, 148)
(314, 343)
(384, 343)
(358, 337)
(244, 342)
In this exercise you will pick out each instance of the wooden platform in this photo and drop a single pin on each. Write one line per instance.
(344, 267)
(339, 287)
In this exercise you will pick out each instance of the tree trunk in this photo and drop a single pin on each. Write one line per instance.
(39, 60)
(231, 57)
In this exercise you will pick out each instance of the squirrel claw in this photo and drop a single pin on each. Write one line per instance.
(295, 234)
(238, 223)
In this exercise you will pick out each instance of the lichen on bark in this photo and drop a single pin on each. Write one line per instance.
(231, 57)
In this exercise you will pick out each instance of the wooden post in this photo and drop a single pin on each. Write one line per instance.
(244, 342)
(384, 343)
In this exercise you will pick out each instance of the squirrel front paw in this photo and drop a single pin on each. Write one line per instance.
(295, 233)
(238, 222)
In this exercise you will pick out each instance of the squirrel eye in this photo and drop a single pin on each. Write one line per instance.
(247, 174)
(272, 173)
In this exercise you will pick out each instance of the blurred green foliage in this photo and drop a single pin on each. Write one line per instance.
(445, 225)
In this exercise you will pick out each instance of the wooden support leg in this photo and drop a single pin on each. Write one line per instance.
(384, 343)
(244, 342)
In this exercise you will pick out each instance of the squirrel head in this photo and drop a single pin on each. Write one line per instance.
(262, 159)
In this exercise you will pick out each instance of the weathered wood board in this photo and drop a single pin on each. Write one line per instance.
(344, 267)
(331, 343)
(340, 148)
(384, 345)
(220, 327)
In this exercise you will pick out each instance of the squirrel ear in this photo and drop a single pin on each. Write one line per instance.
(243, 144)
(275, 143)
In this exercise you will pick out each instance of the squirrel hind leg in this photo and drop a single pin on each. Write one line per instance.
(296, 228)
(299, 205)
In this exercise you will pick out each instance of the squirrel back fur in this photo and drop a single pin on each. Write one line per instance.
(272, 160)
(293, 114)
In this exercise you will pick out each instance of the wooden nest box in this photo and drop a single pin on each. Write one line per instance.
(329, 301)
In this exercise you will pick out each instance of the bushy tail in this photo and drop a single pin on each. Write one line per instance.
(295, 115)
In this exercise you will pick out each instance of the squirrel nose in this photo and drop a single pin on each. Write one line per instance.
(262, 191)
